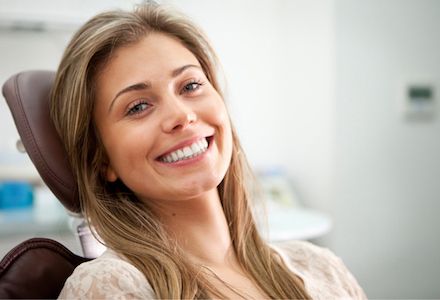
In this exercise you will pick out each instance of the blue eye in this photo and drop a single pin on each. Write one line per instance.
(137, 107)
(192, 86)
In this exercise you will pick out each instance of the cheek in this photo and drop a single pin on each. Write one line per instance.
(127, 148)
(221, 118)
(217, 113)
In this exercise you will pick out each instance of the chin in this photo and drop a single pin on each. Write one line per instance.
(198, 187)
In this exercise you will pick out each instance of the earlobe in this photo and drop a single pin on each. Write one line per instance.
(110, 174)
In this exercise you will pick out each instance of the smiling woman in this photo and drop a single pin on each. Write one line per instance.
(163, 99)
(161, 174)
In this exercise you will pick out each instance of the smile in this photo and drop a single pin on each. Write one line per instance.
(193, 150)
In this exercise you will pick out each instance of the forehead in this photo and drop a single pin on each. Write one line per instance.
(151, 58)
(154, 46)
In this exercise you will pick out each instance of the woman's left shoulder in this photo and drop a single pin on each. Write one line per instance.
(306, 253)
(322, 271)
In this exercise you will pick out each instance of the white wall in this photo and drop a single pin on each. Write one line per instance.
(31, 48)
(277, 57)
(278, 60)
(387, 170)
(312, 87)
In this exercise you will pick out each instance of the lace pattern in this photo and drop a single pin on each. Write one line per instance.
(111, 277)
(324, 274)
(107, 277)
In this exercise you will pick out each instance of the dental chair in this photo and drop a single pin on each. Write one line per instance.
(38, 267)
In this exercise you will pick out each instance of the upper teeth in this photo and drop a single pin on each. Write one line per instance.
(192, 150)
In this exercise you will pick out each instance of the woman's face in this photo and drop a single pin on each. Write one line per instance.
(164, 127)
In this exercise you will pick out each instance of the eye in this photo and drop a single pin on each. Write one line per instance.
(192, 86)
(137, 107)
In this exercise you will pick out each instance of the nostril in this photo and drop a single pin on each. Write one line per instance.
(177, 117)
(182, 123)
(177, 127)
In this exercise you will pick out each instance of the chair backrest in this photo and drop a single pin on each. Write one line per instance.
(36, 268)
(27, 95)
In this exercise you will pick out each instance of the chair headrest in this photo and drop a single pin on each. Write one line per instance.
(27, 95)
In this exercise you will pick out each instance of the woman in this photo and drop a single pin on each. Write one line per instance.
(161, 175)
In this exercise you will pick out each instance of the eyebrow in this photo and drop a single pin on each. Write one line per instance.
(146, 85)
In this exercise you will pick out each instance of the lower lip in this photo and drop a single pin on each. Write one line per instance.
(189, 161)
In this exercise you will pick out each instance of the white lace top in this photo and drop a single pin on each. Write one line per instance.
(111, 277)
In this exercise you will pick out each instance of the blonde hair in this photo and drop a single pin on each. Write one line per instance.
(124, 223)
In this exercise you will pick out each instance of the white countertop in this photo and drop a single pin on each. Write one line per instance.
(296, 223)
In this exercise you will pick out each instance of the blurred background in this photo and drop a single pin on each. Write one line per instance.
(337, 97)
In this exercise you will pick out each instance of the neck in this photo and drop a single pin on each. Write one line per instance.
(200, 228)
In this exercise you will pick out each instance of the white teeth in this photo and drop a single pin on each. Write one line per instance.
(174, 156)
(195, 147)
(187, 151)
(192, 150)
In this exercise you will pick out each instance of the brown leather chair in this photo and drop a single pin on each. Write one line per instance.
(38, 268)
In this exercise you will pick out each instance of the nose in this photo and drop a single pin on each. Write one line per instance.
(178, 115)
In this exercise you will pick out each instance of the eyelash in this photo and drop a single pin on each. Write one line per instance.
(197, 83)
(134, 108)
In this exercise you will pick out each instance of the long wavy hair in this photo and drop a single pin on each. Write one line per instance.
(124, 223)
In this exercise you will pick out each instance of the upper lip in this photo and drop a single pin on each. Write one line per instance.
(182, 144)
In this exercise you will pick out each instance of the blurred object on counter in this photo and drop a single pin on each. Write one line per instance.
(15, 195)
(277, 187)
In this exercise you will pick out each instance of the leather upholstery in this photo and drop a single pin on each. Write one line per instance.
(27, 95)
(36, 268)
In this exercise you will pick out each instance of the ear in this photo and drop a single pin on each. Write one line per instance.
(110, 174)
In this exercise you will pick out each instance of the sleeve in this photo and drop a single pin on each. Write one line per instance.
(106, 279)
(324, 273)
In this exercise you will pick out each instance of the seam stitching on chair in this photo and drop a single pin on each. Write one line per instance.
(39, 243)
(28, 132)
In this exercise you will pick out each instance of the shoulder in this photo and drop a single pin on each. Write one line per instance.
(324, 274)
(108, 276)
(305, 254)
